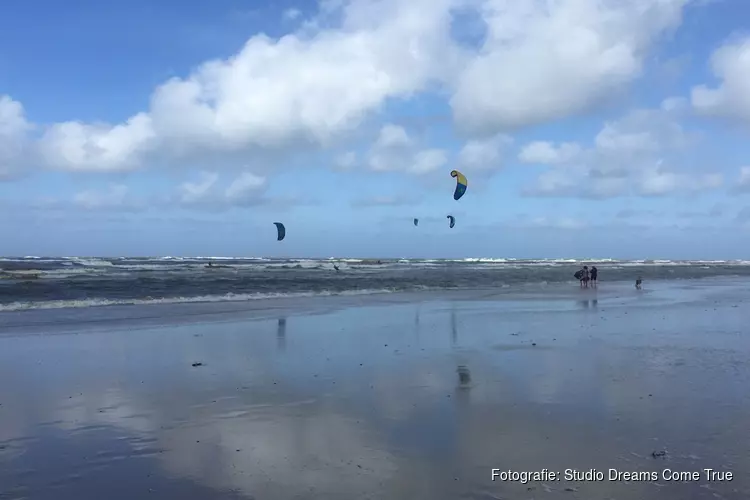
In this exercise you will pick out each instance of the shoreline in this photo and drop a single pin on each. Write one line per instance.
(164, 313)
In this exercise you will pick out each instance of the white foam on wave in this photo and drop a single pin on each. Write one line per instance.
(229, 297)
(89, 261)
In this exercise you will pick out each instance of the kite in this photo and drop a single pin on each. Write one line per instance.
(461, 184)
(416, 222)
(453, 220)
(281, 231)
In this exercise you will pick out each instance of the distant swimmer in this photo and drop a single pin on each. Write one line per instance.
(594, 273)
(638, 283)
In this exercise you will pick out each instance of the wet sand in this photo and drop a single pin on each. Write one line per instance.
(391, 397)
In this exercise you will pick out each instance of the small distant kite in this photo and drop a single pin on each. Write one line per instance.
(453, 221)
(416, 222)
(281, 231)
(461, 184)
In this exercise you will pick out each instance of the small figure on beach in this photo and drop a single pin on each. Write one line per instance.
(585, 276)
(464, 376)
(594, 273)
(638, 283)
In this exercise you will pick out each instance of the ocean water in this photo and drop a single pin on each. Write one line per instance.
(46, 282)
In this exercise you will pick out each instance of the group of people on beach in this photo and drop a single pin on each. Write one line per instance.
(587, 275)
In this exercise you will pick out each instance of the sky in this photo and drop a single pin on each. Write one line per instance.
(586, 128)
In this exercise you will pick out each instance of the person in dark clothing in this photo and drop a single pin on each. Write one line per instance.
(594, 273)
(638, 283)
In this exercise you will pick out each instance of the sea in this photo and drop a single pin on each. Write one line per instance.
(34, 282)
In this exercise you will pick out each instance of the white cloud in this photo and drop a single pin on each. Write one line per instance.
(392, 137)
(542, 61)
(659, 182)
(345, 161)
(675, 104)
(626, 158)
(192, 192)
(547, 153)
(731, 99)
(308, 88)
(484, 154)
(743, 180)
(247, 184)
(247, 189)
(304, 88)
(13, 135)
(292, 14)
(394, 150)
(99, 147)
(113, 197)
(427, 161)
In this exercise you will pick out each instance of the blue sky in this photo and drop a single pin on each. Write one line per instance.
(586, 129)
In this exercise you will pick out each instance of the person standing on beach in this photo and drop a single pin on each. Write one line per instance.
(594, 273)
(586, 276)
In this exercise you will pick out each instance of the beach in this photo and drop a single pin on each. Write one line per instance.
(408, 395)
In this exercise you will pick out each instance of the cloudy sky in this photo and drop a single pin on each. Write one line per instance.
(587, 128)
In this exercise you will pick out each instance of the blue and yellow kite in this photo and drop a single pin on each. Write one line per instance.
(461, 184)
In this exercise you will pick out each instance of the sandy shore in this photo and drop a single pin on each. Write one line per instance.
(361, 397)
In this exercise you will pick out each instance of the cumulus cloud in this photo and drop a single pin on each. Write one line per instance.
(483, 155)
(743, 180)
(100, 147)
(244, 186)
(345, 161)
(547, 153)
(193, 192)
(114, 196)
(542, 61)
(731, 98)
(292, 14)
(395, 150)
(627, 157)
(247, 189)
(13, 136)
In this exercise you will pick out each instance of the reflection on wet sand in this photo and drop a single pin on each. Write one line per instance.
(588, 303)
(464, 376)
(454, 328)
(281, 334)
(358, 410)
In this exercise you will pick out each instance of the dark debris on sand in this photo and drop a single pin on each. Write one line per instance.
(197, 364)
